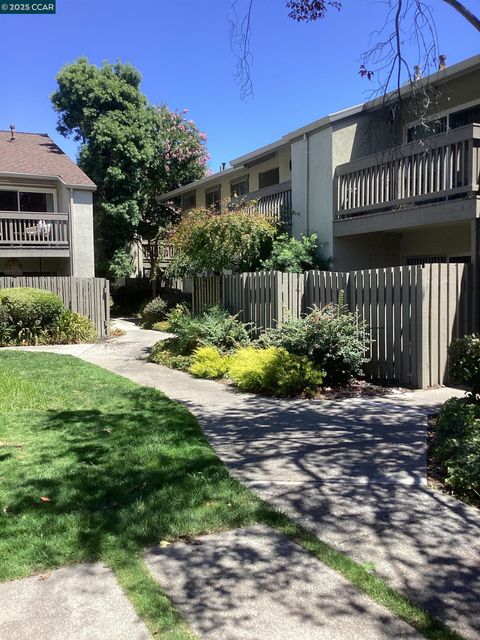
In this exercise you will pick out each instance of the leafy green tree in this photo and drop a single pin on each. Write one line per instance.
(131, 149)
(211, 241)
(295, 254)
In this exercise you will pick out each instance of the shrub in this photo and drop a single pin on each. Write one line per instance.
(457, 446)
(31, 308)
(273, 371)
(464, 363)
(28, 315)
(154, 311)
(295, 255)
(333, 339)
(167, 353)
(163, 326)
(208, 362)
(72, 328)
(214, 327)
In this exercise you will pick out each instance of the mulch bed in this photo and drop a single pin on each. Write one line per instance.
(358, 389)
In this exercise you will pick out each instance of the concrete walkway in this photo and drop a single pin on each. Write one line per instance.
(353, 471)
(83, 602)
(254, 584)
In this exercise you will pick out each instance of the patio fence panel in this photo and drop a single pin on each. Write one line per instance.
(412, 313)
(88, 296)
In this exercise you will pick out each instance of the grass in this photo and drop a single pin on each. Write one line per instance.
(94, 467)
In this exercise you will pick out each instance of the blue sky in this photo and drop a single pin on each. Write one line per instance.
(300, 72)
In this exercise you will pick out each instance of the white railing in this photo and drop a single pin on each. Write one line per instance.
(438, 168)
(33, 229)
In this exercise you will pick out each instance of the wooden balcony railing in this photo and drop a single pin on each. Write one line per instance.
(438, 168)
(274, 202)
(25, 230)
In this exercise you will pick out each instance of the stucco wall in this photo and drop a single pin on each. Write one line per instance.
(280, 160)
(375, 250)
(83, 259)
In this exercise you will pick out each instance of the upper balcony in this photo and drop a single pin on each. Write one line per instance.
(439, 169)
(33, 234)
(274, 202)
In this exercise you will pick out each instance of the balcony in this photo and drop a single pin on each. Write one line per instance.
(274, 202)
(33, 234)
(441, 168)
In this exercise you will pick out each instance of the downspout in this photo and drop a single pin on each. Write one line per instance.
(70, 230)
(306, 137)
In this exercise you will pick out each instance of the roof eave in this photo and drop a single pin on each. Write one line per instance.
(35, 176)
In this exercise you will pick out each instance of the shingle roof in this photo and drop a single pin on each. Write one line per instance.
(36, 154)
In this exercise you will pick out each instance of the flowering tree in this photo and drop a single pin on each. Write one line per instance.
(210, 241)
(132, 150)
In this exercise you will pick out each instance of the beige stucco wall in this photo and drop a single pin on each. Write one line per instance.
(375, 250)
(82, 250)
(281, 160)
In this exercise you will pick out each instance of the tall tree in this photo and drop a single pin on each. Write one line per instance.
(131, 149)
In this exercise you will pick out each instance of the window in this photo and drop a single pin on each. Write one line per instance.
(427, 129)
(213, 198)
(36, 201)
(239, 187)
(8, 200)
(27, 201)
(464, 117)
(189, 201)
(268, 178)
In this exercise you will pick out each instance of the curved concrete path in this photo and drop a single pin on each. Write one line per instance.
(353, 471)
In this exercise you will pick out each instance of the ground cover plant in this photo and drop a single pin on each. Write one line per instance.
(95, 467)
(34, 316)
(328, 346)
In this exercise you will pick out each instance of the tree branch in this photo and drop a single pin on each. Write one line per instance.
(466, 13)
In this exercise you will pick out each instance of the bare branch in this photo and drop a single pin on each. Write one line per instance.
(466, 13)
(240, 36)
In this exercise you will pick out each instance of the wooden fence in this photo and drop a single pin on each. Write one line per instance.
(412, 313)
(88, 296)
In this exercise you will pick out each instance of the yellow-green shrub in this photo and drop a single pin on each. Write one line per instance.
(208, 362)
(273, 371)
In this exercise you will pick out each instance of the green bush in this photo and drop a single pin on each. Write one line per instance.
(214, 327)
(295, 254)
(333, 338)
(72, 328)
(31, 309)
(274, 371)
(208, 362)
(154, 311)
(464, 363)
(457, 446)
(163, 326)
(33, 316)
(168, 353)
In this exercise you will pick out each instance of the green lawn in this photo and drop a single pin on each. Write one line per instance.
(94, 467)
(122, 467)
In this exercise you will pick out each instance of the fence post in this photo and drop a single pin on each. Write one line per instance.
(422, 312)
